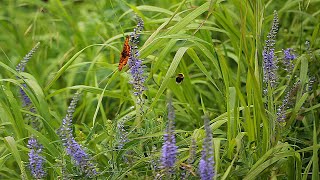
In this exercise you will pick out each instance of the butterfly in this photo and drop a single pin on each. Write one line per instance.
(179, 78)
(125, 54)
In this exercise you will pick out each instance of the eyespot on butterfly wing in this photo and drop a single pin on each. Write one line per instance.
(125, 54)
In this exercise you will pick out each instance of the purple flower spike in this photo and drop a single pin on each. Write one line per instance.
(36, 161)
(73, 149)
(270, 42)
(269, 67)
(169, 148)
(206, 169)
(122, 134)
(21, 66)
(136, 32)
(135, 64)
(26, 101)
(169, 151)
(288, 58)
(269, 58)
(286, 102)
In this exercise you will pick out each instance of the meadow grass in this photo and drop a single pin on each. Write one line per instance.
(247, 108)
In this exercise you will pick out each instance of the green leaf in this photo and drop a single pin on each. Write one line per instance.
(12, 146)
(65, 67)
(254, 174)
(173, 66)
(198, 62)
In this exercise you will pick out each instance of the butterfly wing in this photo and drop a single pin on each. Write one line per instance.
(125, 54)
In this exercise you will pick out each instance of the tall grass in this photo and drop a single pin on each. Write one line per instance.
(217, 45)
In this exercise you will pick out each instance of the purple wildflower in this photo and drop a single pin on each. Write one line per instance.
(122, 133)
(135, 64)
(206, 169)
(20, 68)
(288, 58)
(269, 67)
(36, 161)
(270, 42)
(286, 102)
(281, 114)
(312, 78)
(79, 156)
(269, 58)
(169, 148)
(24, 97)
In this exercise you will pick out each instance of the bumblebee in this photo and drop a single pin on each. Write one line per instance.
(179, 78)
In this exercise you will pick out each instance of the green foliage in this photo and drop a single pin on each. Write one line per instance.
(216, 44)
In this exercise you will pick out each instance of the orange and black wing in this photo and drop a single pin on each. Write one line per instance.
(125, 54)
